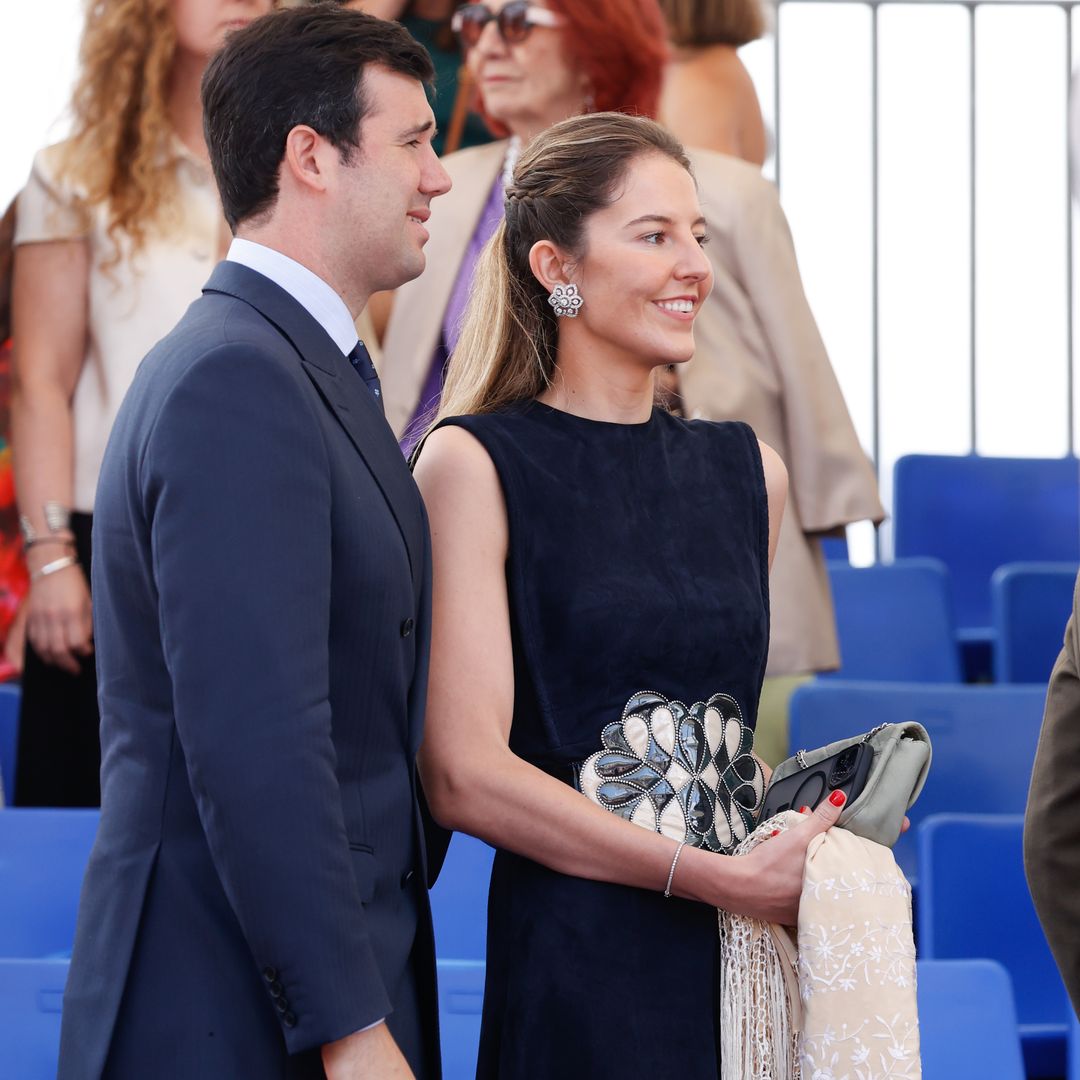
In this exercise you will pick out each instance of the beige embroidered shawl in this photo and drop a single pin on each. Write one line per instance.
(837, 1001)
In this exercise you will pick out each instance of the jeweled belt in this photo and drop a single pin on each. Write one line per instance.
(686, 772)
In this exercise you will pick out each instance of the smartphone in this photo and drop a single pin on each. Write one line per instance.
(846, 771)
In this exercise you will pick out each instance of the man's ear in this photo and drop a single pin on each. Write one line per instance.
(306, 157)
(549, 264)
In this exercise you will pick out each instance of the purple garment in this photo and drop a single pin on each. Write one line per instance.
(431, 391)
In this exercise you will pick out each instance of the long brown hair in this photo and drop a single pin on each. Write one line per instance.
(121, 124)
(508, 341)
(714, 22)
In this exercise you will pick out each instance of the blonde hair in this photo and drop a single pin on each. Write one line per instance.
(121, 121)
(714, 22)
(509, 338)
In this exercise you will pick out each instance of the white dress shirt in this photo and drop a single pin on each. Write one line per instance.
(305, 287)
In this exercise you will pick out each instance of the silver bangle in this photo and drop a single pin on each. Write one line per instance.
(57, 516)
(54, 567)
(671, 872)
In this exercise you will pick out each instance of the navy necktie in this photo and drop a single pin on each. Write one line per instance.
(360, 360)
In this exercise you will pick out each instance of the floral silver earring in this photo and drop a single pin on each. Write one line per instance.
(566, 300)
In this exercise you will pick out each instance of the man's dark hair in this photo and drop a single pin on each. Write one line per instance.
(295, 66)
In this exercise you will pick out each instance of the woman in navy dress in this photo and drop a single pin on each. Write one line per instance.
(600, 622)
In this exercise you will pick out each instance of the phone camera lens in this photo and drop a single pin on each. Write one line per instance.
(844, 767)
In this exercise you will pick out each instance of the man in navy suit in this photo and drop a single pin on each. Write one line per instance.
(255, 904)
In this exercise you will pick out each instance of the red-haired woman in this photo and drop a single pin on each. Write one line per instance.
(534, 63)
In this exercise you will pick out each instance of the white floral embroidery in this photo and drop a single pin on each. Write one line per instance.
(854, 974)
(878, 1049)
(858, 942)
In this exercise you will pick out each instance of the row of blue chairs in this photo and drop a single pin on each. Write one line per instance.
(895, 620)
(967, 1019)
(972, 903)
(977, 514)
(984, 745)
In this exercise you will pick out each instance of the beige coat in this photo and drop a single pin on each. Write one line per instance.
(1052, 824)
(759, 359)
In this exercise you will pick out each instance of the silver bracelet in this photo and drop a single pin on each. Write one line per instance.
(54, 567)
(671, 872)
(57, 516)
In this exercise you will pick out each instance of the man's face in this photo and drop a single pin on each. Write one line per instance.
(384, 194)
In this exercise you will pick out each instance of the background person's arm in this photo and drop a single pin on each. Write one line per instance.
(1052, 822)
(49, 305)
(831, 479)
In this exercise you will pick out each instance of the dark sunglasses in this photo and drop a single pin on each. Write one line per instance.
(514, 21)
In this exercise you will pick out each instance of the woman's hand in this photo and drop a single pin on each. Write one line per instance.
(767, 883)
(59, 623)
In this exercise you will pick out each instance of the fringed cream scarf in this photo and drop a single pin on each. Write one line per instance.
(837, 1002)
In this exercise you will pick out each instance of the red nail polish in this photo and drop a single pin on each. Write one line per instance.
(838, 798)
(804, 809)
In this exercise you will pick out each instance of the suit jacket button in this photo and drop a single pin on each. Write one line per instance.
(406, 878)
(276, 989)
(281, 1004)
(269, 973)
(407, 627)
(289, 1019)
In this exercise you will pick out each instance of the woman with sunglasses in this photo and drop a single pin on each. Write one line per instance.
(534, 62)
(600, 622)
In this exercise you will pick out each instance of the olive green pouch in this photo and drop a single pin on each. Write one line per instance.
(896, 776)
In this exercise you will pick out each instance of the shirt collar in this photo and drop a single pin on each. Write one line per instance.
(306, 288)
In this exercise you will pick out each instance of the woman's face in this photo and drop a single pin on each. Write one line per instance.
(530, 85)
(644, 276)
(201, 25)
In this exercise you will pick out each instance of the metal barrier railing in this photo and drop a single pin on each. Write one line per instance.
(1067, 212)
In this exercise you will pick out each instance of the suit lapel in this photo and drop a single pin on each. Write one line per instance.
(355, 408)
(344, 394)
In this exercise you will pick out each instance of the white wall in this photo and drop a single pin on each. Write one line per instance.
(40, 48)
(926, 398)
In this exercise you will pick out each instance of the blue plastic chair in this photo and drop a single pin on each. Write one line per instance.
(31, 995)
(984, 739)
(1073, 1072)
(835, 549)
(974, 902)
(461, 997)
(10, 696)
(977, 513)
(1031, 604)
(459, 899)
(43, 856)
(895, 622)
(967, 1021)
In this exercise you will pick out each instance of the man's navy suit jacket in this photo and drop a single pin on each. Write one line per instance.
(261, 586)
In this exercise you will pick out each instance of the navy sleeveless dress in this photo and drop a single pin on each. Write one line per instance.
(638, 561)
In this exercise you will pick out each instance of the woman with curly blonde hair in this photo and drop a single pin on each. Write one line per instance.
(117, 229)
